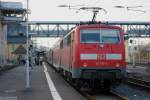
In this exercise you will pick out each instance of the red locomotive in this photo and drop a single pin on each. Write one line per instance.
(91, 55)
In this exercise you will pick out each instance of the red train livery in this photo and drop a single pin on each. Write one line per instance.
(91, 55)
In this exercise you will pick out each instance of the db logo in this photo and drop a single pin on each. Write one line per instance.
(102, 56)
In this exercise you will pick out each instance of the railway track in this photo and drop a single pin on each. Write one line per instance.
(89, 96)
(118, 96)
(112, 95)
(138, 82)
(93, 96)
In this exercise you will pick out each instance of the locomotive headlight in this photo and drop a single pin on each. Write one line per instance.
(84, 64)
(117, 65)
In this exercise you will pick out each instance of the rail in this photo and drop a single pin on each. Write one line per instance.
(119, 96)
(138, 82)
(112, 92)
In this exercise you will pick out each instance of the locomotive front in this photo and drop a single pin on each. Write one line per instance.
(99, 54)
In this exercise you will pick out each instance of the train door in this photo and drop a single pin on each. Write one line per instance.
(70, 51)
(61, 52)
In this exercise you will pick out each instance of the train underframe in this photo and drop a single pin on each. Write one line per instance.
(102, 79)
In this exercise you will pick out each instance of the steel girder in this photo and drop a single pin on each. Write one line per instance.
(60, 28)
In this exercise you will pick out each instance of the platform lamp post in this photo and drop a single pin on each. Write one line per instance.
(27, 48)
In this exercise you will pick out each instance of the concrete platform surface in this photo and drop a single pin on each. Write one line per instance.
(12, 85)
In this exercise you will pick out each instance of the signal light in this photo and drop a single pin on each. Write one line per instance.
(117, 65)
(131, 41)
(84, 64)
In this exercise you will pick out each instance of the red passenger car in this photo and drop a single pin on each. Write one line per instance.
(91, 55)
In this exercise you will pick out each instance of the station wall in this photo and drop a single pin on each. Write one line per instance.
(3, 44)
(13, 57)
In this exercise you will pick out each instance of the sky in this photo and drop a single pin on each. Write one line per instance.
(48, 10)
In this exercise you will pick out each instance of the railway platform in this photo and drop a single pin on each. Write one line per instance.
(46, 84)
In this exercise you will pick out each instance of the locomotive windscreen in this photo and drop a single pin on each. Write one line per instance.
(100, 36)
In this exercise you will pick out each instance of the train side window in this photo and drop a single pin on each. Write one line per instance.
(69, 39)
(61, 44)
(65, 42)
(72, 36)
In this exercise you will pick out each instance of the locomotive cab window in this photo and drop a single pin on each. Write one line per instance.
(110, 36)
(90, 36)
(100, 36)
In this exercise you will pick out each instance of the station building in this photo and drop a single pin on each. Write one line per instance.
(12, 32)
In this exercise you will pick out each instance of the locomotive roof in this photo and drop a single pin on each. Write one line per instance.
(97, 26)
(91, 25)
